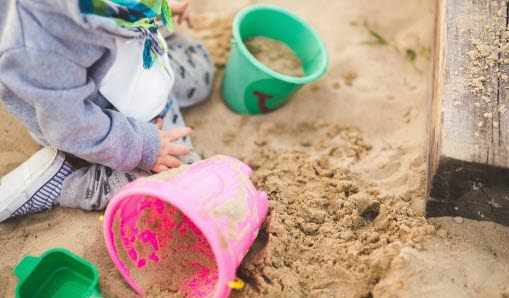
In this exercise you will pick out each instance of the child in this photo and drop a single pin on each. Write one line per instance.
(97, 85)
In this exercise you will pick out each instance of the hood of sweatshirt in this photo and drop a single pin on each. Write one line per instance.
(71, 9)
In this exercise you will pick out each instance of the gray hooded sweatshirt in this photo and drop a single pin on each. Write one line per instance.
(52, 60)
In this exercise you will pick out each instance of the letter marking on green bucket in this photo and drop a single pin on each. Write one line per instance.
(262, 101)
(263, 96)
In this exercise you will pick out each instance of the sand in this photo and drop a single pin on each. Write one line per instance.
(182, 251)
(275, 55)
(343, 163)
(324, 228)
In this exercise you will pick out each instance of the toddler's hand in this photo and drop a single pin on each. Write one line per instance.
(168, 149)
(181, 9)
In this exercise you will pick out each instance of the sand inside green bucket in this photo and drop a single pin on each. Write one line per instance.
(275, 55)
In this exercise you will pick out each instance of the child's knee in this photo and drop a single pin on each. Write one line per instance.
(194, 71)
(197, 88)
(204, 88)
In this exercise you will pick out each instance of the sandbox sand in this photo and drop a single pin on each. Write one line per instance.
(343, 165)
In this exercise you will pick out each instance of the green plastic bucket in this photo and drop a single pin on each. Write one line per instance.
(248, 86)
(57, 274)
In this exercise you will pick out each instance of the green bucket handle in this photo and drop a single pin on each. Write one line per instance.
(25, 267)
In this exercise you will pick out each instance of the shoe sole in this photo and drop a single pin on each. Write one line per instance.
(18, 186)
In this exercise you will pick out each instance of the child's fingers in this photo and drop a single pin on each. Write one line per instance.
(171, 162)
(185, 17)
(177, 133)
(159, 123)
(179, 7)
(189, 20)
(178, 149)
(160, 168)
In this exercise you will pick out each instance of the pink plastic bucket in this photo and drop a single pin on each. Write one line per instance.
(209, 211)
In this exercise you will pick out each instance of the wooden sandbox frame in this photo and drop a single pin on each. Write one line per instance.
(468, 168)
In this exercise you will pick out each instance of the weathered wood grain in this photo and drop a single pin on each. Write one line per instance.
(468, 171)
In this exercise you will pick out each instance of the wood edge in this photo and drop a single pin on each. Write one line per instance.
(436, 91)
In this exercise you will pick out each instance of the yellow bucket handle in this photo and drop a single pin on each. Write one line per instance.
(237, 284)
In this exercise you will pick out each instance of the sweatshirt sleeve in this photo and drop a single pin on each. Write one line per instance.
(59, 88)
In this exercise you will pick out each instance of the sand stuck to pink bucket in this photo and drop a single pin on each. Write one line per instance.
(185, 232)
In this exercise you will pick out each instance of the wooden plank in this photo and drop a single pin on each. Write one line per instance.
(468, 172)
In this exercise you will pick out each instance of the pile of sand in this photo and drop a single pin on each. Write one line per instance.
(215, 32)
(324, 228)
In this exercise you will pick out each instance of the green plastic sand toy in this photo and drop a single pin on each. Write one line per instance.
(57, 273)
(249, 87)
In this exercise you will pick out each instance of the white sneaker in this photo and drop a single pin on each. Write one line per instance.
(34, 185)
